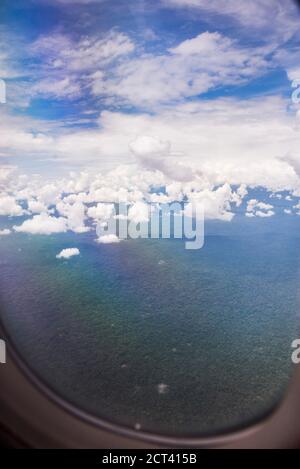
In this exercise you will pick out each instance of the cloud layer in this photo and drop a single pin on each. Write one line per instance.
(195, 109)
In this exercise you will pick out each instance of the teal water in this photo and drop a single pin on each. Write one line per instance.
(145, 332)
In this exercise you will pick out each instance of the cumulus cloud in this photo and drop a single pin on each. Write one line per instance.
(5, 232)
(297, 208)
(43, 224)
(253, 142)
(139, 212)
(75, 215)
(137, 190)
(148, 146)
(215, 203)
(9, 206)
(157, 138)
(67, 253)
(134, 187)
(259, 209)
(260, 213)
(101, 211)
(35, 206)
(108, 239)
(252, 134)
(227, 140)
(154, 153)
(6, 174)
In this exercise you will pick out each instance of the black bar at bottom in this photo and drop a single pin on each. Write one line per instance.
(153, 458)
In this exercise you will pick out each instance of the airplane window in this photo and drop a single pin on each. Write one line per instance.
(149, 206)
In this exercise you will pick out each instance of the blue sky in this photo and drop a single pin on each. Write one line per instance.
(38, 31)
(193, 95)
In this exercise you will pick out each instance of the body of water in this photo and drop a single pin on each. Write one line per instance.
(149, 335)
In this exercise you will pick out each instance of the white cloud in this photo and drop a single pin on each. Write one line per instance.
(241, 194)
(276, 196)
(215, 144)
(219, 143)
(62, 88)
(227, 140)
(259, 209)
(60, 66)
(101, 211)
(6, 174)
(195, 148)
(137, 189)
(63, 52)
(48, 193)
(9, 206)
(5, 232)
(252, 142)
(148, 146)
(35, 206)
(43, 224)
(139, 212)
(8, 68)
(273, 18)
(215, 203)
(253, 204)
(262, 214)
(108, 239)
(75, 215)
(191, 68)
(154, 153)
(67, 253)
(297, 207)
